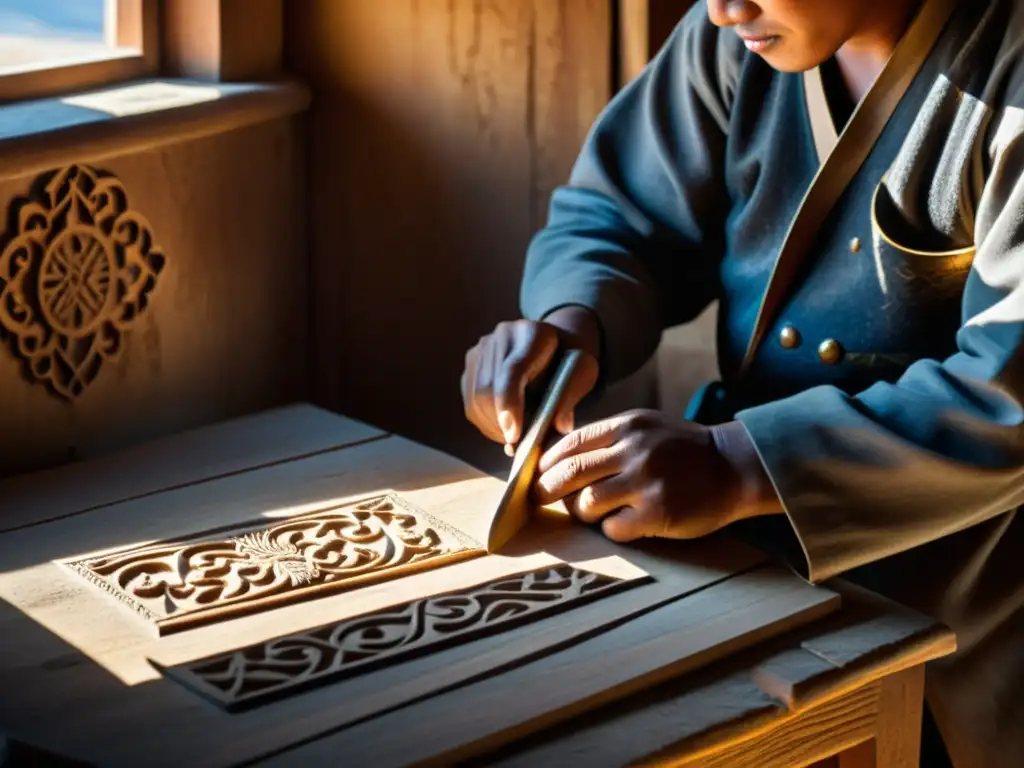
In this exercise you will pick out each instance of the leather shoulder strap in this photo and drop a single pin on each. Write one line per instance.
(848, 155)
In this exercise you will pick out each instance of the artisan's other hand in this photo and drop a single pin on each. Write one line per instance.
(505, 361)
(644, 474)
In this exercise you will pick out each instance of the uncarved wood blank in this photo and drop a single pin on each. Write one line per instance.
(77, 270)
(285, 666)
(246, 568)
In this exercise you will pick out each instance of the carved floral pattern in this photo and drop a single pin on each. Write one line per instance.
(288, 665)
(77, 271)
(178, 585)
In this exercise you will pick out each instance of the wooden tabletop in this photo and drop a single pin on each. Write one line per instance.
(680, 650)
(810, 694)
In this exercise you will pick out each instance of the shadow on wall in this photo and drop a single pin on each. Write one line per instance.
(437, 134)
(417, 254)
(409, 269)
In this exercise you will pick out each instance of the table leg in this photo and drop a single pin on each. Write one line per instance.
(897, 742)
(901, 707)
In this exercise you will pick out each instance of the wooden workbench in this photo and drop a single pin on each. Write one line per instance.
(114, 652)
(848, 687)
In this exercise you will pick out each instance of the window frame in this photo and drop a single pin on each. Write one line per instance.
(133, 34)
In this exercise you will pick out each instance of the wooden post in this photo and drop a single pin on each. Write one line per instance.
(222, 40)
(644, 26)
(897, 742)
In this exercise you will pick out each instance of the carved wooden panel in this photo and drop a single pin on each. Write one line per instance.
(284, 666)
(77, 269)
(247, 568)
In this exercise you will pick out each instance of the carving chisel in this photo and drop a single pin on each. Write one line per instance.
(514, 508)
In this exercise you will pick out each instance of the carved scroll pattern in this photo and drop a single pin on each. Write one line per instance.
(77, 271)
(288, 665)
(178, 585)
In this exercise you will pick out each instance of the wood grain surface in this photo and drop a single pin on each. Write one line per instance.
(257, 566)
(666, 642)
(869, 703)
(438, 131)
(180, 459)
(285, 666)
(228, 335)
(77, 662)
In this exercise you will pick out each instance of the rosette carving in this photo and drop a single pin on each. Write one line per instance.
(77, 269)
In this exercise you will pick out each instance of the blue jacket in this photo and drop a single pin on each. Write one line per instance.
(887, 402)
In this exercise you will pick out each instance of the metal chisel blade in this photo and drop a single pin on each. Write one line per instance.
(514, 508)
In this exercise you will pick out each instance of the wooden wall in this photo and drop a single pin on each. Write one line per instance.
(226, 331)
(438, 130)
(643, 27)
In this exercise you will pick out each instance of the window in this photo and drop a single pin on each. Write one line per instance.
(55, 46)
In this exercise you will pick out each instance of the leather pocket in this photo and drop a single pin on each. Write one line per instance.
(914, 266)
(921, 278)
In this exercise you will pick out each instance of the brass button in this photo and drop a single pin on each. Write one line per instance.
(855, 245)
(789, 337)
(830, 351)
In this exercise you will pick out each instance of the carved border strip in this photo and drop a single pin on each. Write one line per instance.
(285, 666)
(254, 566)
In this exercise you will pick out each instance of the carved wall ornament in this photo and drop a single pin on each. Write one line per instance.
(77, 269)
(284, 666)
(253, 567)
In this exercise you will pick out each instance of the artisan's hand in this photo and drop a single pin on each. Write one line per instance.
(504, 361)
(643, 474)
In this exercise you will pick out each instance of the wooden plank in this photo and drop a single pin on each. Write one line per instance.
(876, 637)
(667, 642)
(175, 461)
(737, 703)
(801, 739)
(362, 698)
(235, 570)
(178, 726)
(715, 717)
(873, 625)
(630, 730)
(78, 665)
(31, 577)
(427, 479)
(284, 666)
(15, 753)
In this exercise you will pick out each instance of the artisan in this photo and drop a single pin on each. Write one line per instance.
(844, 177)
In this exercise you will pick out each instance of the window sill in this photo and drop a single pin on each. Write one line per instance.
(40, 135)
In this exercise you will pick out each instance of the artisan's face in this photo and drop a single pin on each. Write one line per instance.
(791, 35)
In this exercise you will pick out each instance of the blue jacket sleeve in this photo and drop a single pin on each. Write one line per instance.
(643, 209)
